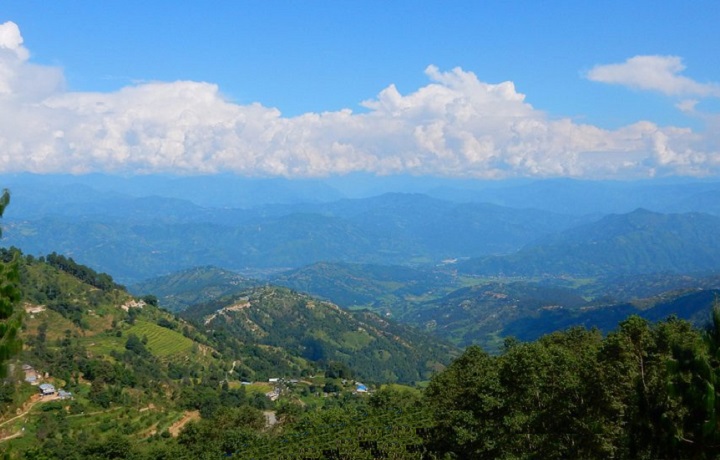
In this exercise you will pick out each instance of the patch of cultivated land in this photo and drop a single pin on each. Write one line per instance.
(161, 341)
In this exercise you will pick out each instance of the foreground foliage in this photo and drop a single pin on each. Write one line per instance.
(644, 391)
(9, 296)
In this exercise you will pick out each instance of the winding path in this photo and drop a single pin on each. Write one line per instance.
(27, 407)
(176, 427)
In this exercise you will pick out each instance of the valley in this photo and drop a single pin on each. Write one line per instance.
(186, 327)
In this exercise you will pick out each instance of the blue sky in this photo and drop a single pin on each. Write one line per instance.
(598, 89)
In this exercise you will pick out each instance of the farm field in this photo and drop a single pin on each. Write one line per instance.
(161, 342)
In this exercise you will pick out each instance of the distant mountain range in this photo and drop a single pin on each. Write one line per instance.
(639, 242)
(471, 261)
(136, 238)
(563, 196)
(411, 230)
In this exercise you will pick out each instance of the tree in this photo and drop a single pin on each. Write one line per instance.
(554, 407)
(136, 345)
(9, 296)
(150, 300)
(693, 381)
(546, 399)
(467, 401)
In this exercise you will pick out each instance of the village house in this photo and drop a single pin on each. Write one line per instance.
(31, 376)
(47, 389)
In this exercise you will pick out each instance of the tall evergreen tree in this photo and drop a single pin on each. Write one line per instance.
(9, 296)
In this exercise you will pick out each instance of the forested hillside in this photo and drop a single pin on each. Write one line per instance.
(373, 348)
(134, 375)
(643, 391)
(177, 291)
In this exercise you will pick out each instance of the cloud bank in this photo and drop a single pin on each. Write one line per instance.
(456, 125)
(654, 73)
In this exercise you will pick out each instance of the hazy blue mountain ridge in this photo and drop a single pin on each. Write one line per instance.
(142, 227)
(635, 243)
(565, 196)
(140, 238)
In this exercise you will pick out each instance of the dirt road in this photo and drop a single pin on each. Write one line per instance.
(176, 427)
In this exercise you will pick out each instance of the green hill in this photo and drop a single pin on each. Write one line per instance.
(478, 314)
(137, 372)
(147, 384)
(319, 331)
(179, 290)
(487, 314)
(112, 351)
(381, 288)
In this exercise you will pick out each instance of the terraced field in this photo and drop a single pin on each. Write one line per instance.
(161, 342)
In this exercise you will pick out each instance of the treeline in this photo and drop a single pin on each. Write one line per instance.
(643, 392)
(86, 274)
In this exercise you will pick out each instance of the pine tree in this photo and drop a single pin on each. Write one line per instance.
(9, 296)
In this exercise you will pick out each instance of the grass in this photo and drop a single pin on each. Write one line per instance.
(258, 387)
(356, 340)
(104, 344)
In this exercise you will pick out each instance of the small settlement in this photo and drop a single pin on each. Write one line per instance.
(33, 377)
(282, 386)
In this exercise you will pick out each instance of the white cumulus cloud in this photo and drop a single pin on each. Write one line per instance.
(455, 125)
(655, 73)
(11, 40)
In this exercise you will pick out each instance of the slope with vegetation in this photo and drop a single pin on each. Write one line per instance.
(149, 384)
(177, 291)
(321, 332)
(645, 391)
(136, 372)
(133, 369)
(386, 289)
